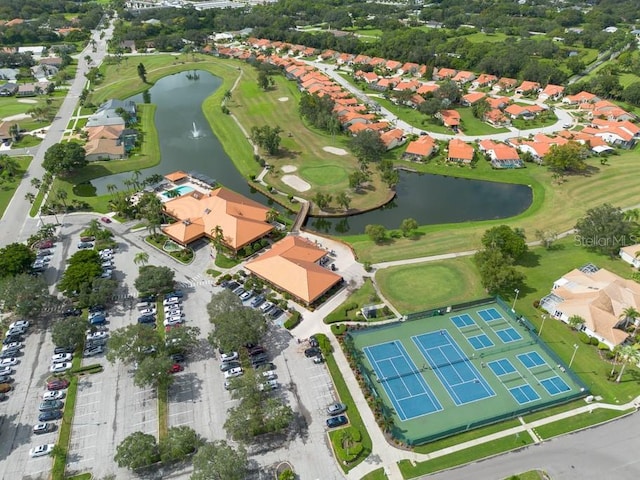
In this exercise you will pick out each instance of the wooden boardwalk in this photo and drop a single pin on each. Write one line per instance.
(300, 218)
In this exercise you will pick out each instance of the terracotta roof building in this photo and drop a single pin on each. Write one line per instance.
(420, 149)
(292, 265)
(599, 297)
(460, 151)
(241, 220)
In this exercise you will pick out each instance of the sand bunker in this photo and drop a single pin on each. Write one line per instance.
(289, 168)
(296, 183)
(335, 151)
(283, 99)
(27, 100)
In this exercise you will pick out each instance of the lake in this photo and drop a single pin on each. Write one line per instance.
(430, 199)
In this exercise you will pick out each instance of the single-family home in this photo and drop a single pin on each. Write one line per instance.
(5, 132)
(35, 50)
(369, 77)
(392, 65)
(444, 73)
(403, 85)
(374, 127)
(498, 102)
(599, 298)
(361, 59)
(8, 89)
(427, 88)
(505, 84)
(631, 255)
(53, 61)
(519, 111)
(43, 72)
(496, 117)
(293, 265)
(393, 138)
(386, 83)
(113, 104)
(527, 88)
(460, 151)
(27, 90)
(581, 97)
(104, 149)
(613, 135)
(551, 92)
(420, 150)
(450, 118)
(539, 146)
(345, 59)
(329, 55)
(9, 74)
(472, 98)
(463, 77)
(409, 68)
(484, 80)
(501, 155)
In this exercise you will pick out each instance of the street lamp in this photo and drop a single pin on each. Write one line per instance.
(544, 317)
(575, 349)
(513, 308)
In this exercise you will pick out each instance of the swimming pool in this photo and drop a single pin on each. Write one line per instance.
(177, 192)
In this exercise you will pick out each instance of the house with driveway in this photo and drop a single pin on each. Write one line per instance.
(599, 298)
(9, 89)
(631, 255)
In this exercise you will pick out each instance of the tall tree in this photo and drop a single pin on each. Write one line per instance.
(628, 354)
(235, 324)
(566, 158)
(142, 72)
(368, 146)
(64, 158)
(141, 258)
(604, 229)
(219, 461)
(69, 332)
(408, 226)
(15, 258)
(510, 242)
(154, 280)
(136, 451)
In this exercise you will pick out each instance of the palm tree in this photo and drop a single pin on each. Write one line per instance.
(94, 228)
(30, 197)
(14, 131)
(631, 315)
(628, 354)
(36, 183)
(272, 215)
(141, 258)
(344, 200)
(576, 322)
(632, 215)
(62, 196)
(218, 237)
(9, 166)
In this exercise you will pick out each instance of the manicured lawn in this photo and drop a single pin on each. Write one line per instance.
(26, 141)
(530, 475)
(223, 261)
(10, 106)
(576, 195)
(480, 37)
(540, 121)
(349, 309)
(549, 412)
(577, 422)
(417, 287)
(8, 188)
(627, 79)
(474, 126)
(324, 175)
(464, 456)
(376, 475)
(413, 117)
(354, 417)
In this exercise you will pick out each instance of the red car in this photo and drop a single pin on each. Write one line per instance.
(57, 384)
(168, 328)
(106, 219)
(45, 244)
(175, 368)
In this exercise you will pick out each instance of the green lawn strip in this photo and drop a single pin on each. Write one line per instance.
(467, 455)
(148, 156)
(354, 416)
(81, 476)
(417, 287)
(530, 475)
(10, 106)
(60, 461)
(163, 390)
(538, 122)
(474, 126)
(8, 187)
(223, 261)
(549, 412)
(376, 475)
(466, 436)
(349, 309)
(577, 422)
(576, 195)
(27, 141)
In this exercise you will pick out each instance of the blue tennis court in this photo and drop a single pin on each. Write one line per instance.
(531, 360)
(555, 385)
(457, 374)
(509, 335)
(524, 394)
(490, 315)
(501, 367)
(480, 341)
(463, 320)
(402, 381)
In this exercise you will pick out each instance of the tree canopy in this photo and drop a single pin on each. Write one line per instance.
(64, 158)
(153, 280)
(605, 229)
(566, 158)
(368, 146)
(25, 295)
(220, 461)
(16, 258)
(136, 451)
(510, 242)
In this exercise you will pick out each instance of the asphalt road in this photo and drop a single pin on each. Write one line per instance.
(16, 225)
(608, 451)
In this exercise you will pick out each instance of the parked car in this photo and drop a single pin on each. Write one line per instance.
(312, 352)
(147, 299)
(175, 293)
(246, 295)
(172, 321)
(45, 244)
(275, 313)
(19, 324)
(41, 450)
(175, 368)
(266, 306)
(98, 320)
(147, 319)
(6, 379)
(336, 408)
(105, 219)
(72, 312)
(228, 357)
(12, 346)
(58, 350)
(318, 359)
(97, 336)
(60, 367)
(87, 238)
(266, 366)
(232, 286)
(93, 351)
(53, 395)
(258, 360)
(5, 387)
(97, 308)
(337, 421)
(229, 365)
(178, 357)
(61, 357)
(8, 362)
(269, 374)
(313, 341)
(257, 350)
(57, 384)
(171, 301)
(234, 372)
(6, 370)
(257, 301)
(11, 339)
(10, 353)
(50, 415)
(99, 342)
(50, 405)
(268, 385)
(41, 428)
(85, 245)
(239, 291)
(148, 311)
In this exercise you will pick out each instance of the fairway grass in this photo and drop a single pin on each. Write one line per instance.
(417, 287)
(8, 188)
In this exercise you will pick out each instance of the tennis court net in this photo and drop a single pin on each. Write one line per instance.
(435, 366)
(410, 373)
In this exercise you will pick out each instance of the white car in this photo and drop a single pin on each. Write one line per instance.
(19, 324)
(6, 370)
(174, 313)
(266, 306)
(60, 367)
(62, 357)
(270, 374)
(8, 362)
(233, 373)
(41, 450)
(148, 311)
(12, 345)
(171, 301)
(106, 251)
(229, 357)
(268, 385)
(97, 336)
(169, 308)
(172, 321)
(53, 395)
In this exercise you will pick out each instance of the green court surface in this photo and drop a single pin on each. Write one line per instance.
(450, 370)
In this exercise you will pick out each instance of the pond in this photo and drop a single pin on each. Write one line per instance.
(187, 143)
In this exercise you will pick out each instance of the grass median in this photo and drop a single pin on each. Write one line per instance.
(9, 187)
(577, 422)
(60, 460)
(163, 389)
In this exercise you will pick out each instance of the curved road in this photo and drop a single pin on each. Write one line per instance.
(16, 225)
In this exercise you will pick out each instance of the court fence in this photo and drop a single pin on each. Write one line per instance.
(448, 309)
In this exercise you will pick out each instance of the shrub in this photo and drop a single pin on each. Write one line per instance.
(584, 338)
(287, 475)
(603, 346)
(536, 303)
(338, 329)
(367, 266)
(324, 343)
(594, 341)
(293, 320)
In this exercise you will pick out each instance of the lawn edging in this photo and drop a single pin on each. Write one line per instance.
(60, 460)
(163, 389)
(605, 415)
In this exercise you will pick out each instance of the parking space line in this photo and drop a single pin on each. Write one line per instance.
(88, 394)
(76, 438)
(144, 421)
(87, 404)
(182, 423)
(78, 415)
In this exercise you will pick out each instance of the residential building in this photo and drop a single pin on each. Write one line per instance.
(293, 265)
(460, 152)
(104, 149)
(450, 118)
(551, 92)
(8, 89)
(420, 150)
(472, 98)
(501, 155)
(599, 297)
(393, 138)
(631, 255)
(527, 87)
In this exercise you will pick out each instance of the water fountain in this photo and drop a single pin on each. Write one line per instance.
(195, 133)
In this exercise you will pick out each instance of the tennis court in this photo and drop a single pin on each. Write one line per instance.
(442, 374)
(401, 379)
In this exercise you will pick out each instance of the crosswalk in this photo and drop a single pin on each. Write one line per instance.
(198, 280)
